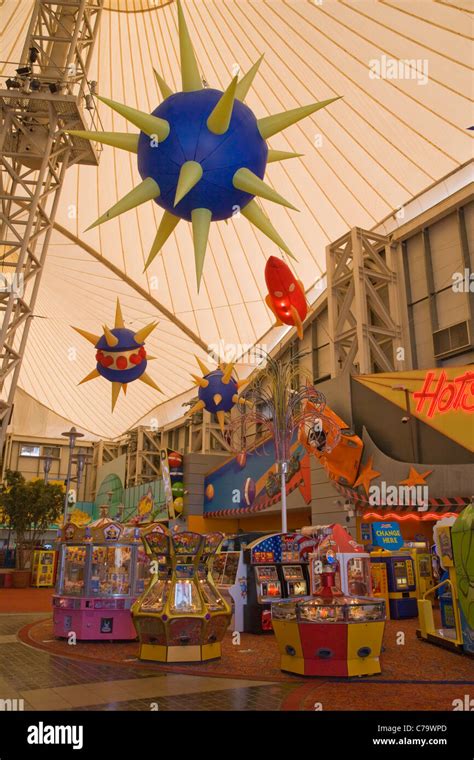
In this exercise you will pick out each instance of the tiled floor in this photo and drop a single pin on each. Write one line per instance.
(49, 682)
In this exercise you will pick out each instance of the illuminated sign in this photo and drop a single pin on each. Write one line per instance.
(443, 395)
(387, 535)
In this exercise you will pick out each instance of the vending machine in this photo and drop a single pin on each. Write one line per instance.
(421, 556)
(402, 590)
(42, 570)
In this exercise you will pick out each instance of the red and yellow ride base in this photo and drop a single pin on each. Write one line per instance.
(331, 649)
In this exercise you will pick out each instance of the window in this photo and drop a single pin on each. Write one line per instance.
(29, 450)
(52, 451)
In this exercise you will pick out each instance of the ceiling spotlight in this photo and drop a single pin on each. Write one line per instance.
(33, 54)
(89, 102)
(23, 71)
(35, 84)
(13, 84)
(53, 87)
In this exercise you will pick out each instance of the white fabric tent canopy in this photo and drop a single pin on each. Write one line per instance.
(364, 156)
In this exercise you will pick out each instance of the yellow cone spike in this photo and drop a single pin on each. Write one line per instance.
(235, 398)
(202, 366)
(87, 335)
(118, 316)
(167, 225)
(111, 340)
(121, 140)
(270, 125)
(219, 120)
(227, 373)
(143, 334)
(115, 393)
(201, 381)
(254, 214)
(150, 125)
(241, 383)
(196, 408)
(91, 376)
(189, 175)
(124, 388)
(164, 89)
(246, 82)
(217, 398)
(190, 76)
(246, 180)
(298, 323)
(145, 378)
(281, 155)
(201, 219)
(145, 191)
(221, 419)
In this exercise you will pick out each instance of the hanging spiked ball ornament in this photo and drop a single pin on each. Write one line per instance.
(202, 154)
(121, 355)
(218, 391)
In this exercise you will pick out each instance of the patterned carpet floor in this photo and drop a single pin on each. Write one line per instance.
(257, 657)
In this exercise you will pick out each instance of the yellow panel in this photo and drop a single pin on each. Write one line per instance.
(425, 616)
(184, 654)
(453, 423)
(292, 664)
(153, 652)
(211, 651)
(287, 634)
(364, 635)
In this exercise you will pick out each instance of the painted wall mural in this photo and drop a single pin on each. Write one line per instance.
(249, 482)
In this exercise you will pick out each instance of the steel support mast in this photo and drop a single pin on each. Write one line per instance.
(43, 94)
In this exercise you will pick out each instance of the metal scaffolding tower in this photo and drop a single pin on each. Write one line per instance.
(367, 313)
(45, 93)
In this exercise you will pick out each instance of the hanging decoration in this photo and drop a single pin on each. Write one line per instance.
(121, 355)
(286, 296)
(218, 391)
(201, 154)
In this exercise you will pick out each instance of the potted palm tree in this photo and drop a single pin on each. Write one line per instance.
(30, 507)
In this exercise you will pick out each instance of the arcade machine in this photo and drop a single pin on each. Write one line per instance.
(276, 568)
(453, 537)
(230, 575)
(421, 556)
(182, 617)
(100, 574)
(43, 566)
(329, 634)
(353, 562)
(402, 593)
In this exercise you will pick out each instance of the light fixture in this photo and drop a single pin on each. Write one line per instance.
(53, 87)
(33, 54)
(35, 84)
(13, 84)
(23, 71)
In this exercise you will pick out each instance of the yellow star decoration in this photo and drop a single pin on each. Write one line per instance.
(415, 478)
(366, 475)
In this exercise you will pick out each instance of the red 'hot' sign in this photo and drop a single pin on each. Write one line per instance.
(442, 394)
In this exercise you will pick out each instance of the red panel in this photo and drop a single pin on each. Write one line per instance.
(330, 636)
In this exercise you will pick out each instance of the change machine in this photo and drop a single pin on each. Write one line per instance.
(388, 549)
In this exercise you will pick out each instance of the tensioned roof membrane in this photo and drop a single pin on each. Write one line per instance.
(364, 156)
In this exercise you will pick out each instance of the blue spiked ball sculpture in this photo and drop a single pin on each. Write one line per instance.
(202, 154)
